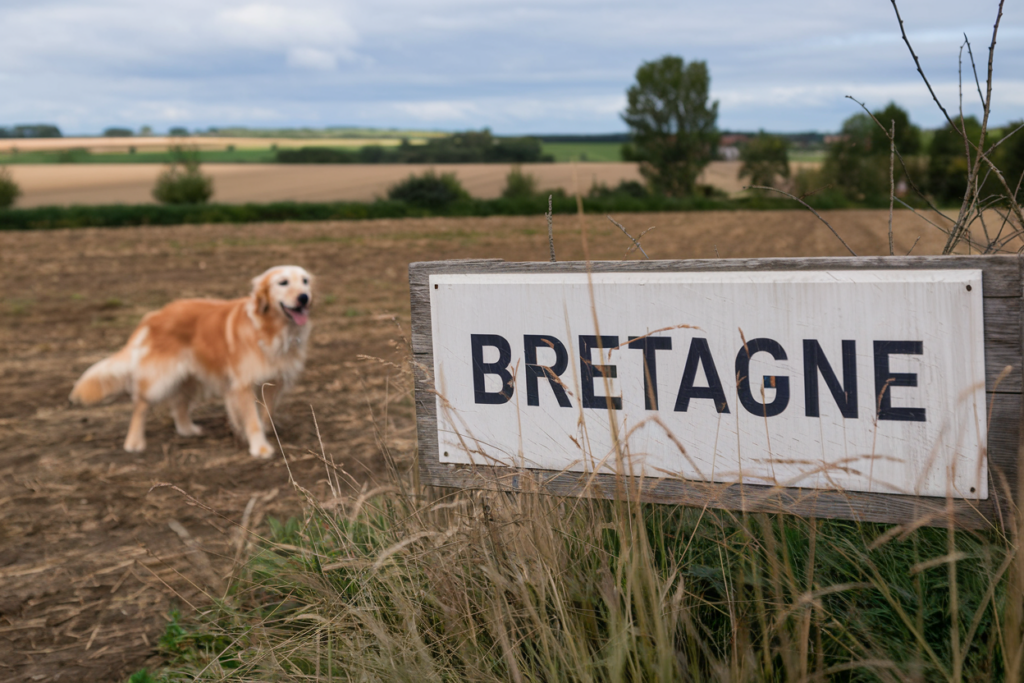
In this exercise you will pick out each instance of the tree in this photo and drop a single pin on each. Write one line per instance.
(948, 162)
(1011, 158)
(908, 136)
(858, 162)
(673, 128)
(764, 157)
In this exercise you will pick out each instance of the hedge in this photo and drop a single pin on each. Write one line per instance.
(120, 215)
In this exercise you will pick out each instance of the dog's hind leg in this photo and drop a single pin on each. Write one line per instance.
(135, 442)
(180, 404)
(241, 404)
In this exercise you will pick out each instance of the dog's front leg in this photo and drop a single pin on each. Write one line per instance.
(242, 404)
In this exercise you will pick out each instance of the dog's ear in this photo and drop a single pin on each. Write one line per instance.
(261, 293)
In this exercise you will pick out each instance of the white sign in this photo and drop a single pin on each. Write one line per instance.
(856, 380)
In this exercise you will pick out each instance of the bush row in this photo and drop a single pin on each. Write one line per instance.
(53, 217)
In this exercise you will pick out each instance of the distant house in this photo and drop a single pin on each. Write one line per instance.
(729, 146)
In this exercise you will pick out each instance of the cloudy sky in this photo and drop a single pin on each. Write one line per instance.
(519, 66)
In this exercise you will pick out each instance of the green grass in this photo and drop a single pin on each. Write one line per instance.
(583, 151)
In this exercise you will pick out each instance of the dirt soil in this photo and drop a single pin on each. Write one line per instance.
(96, 547)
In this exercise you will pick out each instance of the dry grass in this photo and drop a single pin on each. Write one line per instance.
(395, 583)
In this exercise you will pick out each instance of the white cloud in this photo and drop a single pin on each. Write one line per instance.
(438, 110)
(285, 24)
(528, 66)
(311, 58)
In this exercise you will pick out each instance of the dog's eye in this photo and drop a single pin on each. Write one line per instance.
(305, 280)
(283, 283)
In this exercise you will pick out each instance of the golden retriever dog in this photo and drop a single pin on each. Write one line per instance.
(235, 349)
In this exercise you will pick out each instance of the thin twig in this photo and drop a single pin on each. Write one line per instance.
(913, 245)
(639, 238)
(808, 207)
(974, 68)
(619, 225)
(892, 180)
(551, 231)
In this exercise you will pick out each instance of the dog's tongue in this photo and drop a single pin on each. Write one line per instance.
(300, 317)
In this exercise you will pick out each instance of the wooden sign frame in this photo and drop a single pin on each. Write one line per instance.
(1002, 282)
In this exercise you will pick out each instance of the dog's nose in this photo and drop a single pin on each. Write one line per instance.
(303, 299)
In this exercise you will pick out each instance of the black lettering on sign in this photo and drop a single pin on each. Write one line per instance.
(886, 380)
(499, 368)
(780, 384)
(700, 354)
(845, 394)
(649, 345)
(534, 372)
(589, 371)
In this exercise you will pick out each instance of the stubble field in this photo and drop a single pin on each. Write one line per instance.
(97, 545)
(90, 184)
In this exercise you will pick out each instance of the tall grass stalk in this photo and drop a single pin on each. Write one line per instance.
(399, 583)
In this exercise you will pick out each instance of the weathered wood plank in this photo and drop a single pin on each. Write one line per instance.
(1004, 331)
(864, 507)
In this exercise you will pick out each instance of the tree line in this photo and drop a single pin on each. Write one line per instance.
(674, 137)
(35, 130)
(465, 147)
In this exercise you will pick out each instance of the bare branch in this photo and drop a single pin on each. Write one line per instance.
(619, 225)
(918, 63)
(551, 231)
(808, 207)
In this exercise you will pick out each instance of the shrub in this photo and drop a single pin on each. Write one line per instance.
(764, 157)
(429, 191)
(182, 182)
(9, 190)
(178, 132)
(519, 184)
(625, 188)
(118, 133)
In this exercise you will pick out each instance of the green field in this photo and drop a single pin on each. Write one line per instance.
(79, 156)
(583, 151)
(817, 155)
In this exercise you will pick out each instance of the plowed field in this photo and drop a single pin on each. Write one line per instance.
(97, 545)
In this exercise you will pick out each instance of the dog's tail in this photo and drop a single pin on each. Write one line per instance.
(107, 379)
